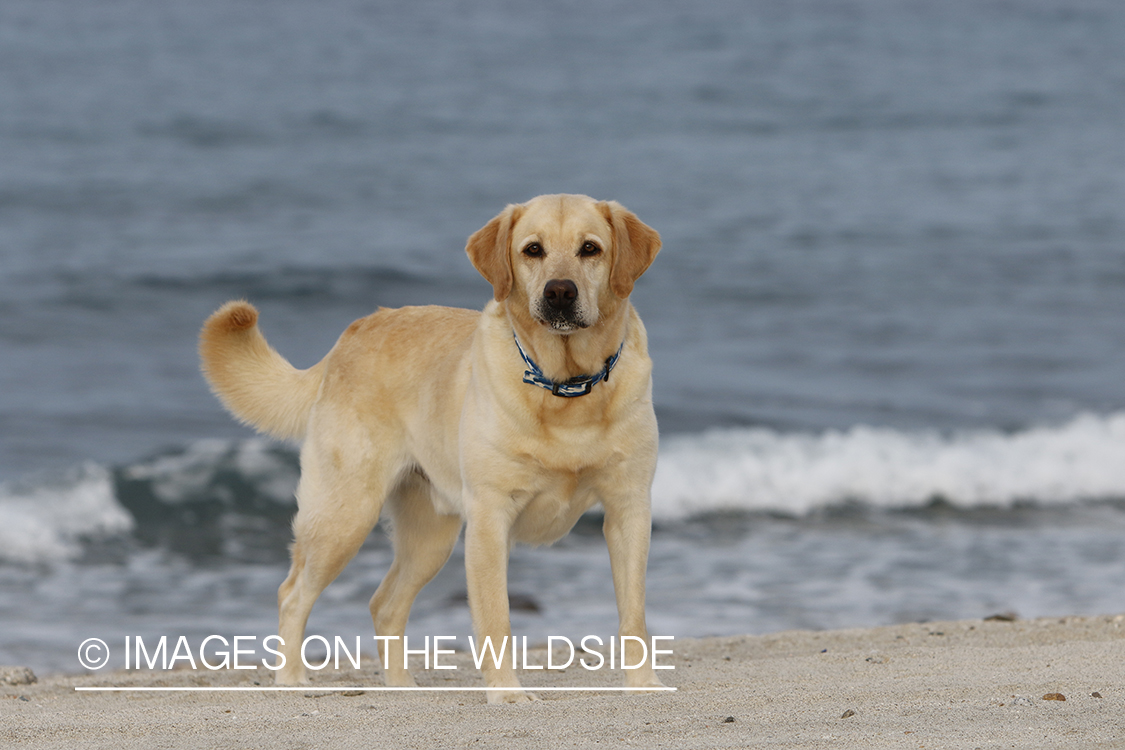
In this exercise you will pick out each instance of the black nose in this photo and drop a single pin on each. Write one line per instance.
(560, 293)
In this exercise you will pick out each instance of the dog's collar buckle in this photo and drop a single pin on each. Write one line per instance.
(580, 385)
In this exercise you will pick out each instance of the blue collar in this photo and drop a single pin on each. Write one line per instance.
(579, 385)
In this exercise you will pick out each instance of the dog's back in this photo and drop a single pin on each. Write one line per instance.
(381, 359)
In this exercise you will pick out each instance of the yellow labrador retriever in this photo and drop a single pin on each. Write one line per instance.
(515, 420)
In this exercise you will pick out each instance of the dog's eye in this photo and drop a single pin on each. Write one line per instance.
(589, 249)
(534, 250)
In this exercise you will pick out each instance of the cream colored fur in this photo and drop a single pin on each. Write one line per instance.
(424, 410)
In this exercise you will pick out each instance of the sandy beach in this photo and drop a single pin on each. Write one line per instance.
(964, 684)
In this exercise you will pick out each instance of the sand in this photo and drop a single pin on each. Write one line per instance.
(968, 684)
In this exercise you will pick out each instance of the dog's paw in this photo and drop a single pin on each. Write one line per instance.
(400, 679)
(291, 679)
(645, 686)
(496, 697)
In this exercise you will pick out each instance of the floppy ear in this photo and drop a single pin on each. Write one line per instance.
(488, 249)
(635, 245)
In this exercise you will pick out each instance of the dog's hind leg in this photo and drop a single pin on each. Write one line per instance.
(423, 540)
(338, 504)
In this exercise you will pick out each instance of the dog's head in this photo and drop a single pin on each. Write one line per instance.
(568, 258)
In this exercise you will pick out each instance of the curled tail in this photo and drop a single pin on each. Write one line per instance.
(255, 383)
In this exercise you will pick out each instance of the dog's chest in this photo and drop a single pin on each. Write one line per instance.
(551, 507)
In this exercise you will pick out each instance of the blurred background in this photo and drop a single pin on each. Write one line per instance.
(888, 321)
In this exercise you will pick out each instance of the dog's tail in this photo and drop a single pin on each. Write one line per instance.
(255, 383)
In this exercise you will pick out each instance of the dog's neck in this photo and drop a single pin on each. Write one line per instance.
(583, 352)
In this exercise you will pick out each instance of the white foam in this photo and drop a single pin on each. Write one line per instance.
(764, 470)
(45, 522)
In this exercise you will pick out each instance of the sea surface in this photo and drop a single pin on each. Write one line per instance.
(888, 320)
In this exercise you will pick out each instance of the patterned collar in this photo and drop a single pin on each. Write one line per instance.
(579, 385)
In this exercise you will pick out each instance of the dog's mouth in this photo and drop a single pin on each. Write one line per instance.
(561, 322)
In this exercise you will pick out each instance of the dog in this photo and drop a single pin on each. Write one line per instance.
(515, 420)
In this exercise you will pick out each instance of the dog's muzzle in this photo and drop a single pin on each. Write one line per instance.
(559, 305)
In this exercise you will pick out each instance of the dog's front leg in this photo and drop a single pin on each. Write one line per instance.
(627, 528)
(487, 541)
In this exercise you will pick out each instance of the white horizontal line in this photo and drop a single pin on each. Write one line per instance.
(372, 689)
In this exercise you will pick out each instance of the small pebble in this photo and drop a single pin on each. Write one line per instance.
(847, 714)
(17, 676)
(1095, 694)
(1054, 697)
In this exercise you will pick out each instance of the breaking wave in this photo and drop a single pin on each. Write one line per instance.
(764, 470)
(48, 518)
(234, 499)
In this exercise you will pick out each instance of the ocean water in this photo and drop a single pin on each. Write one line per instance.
(888, 321)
